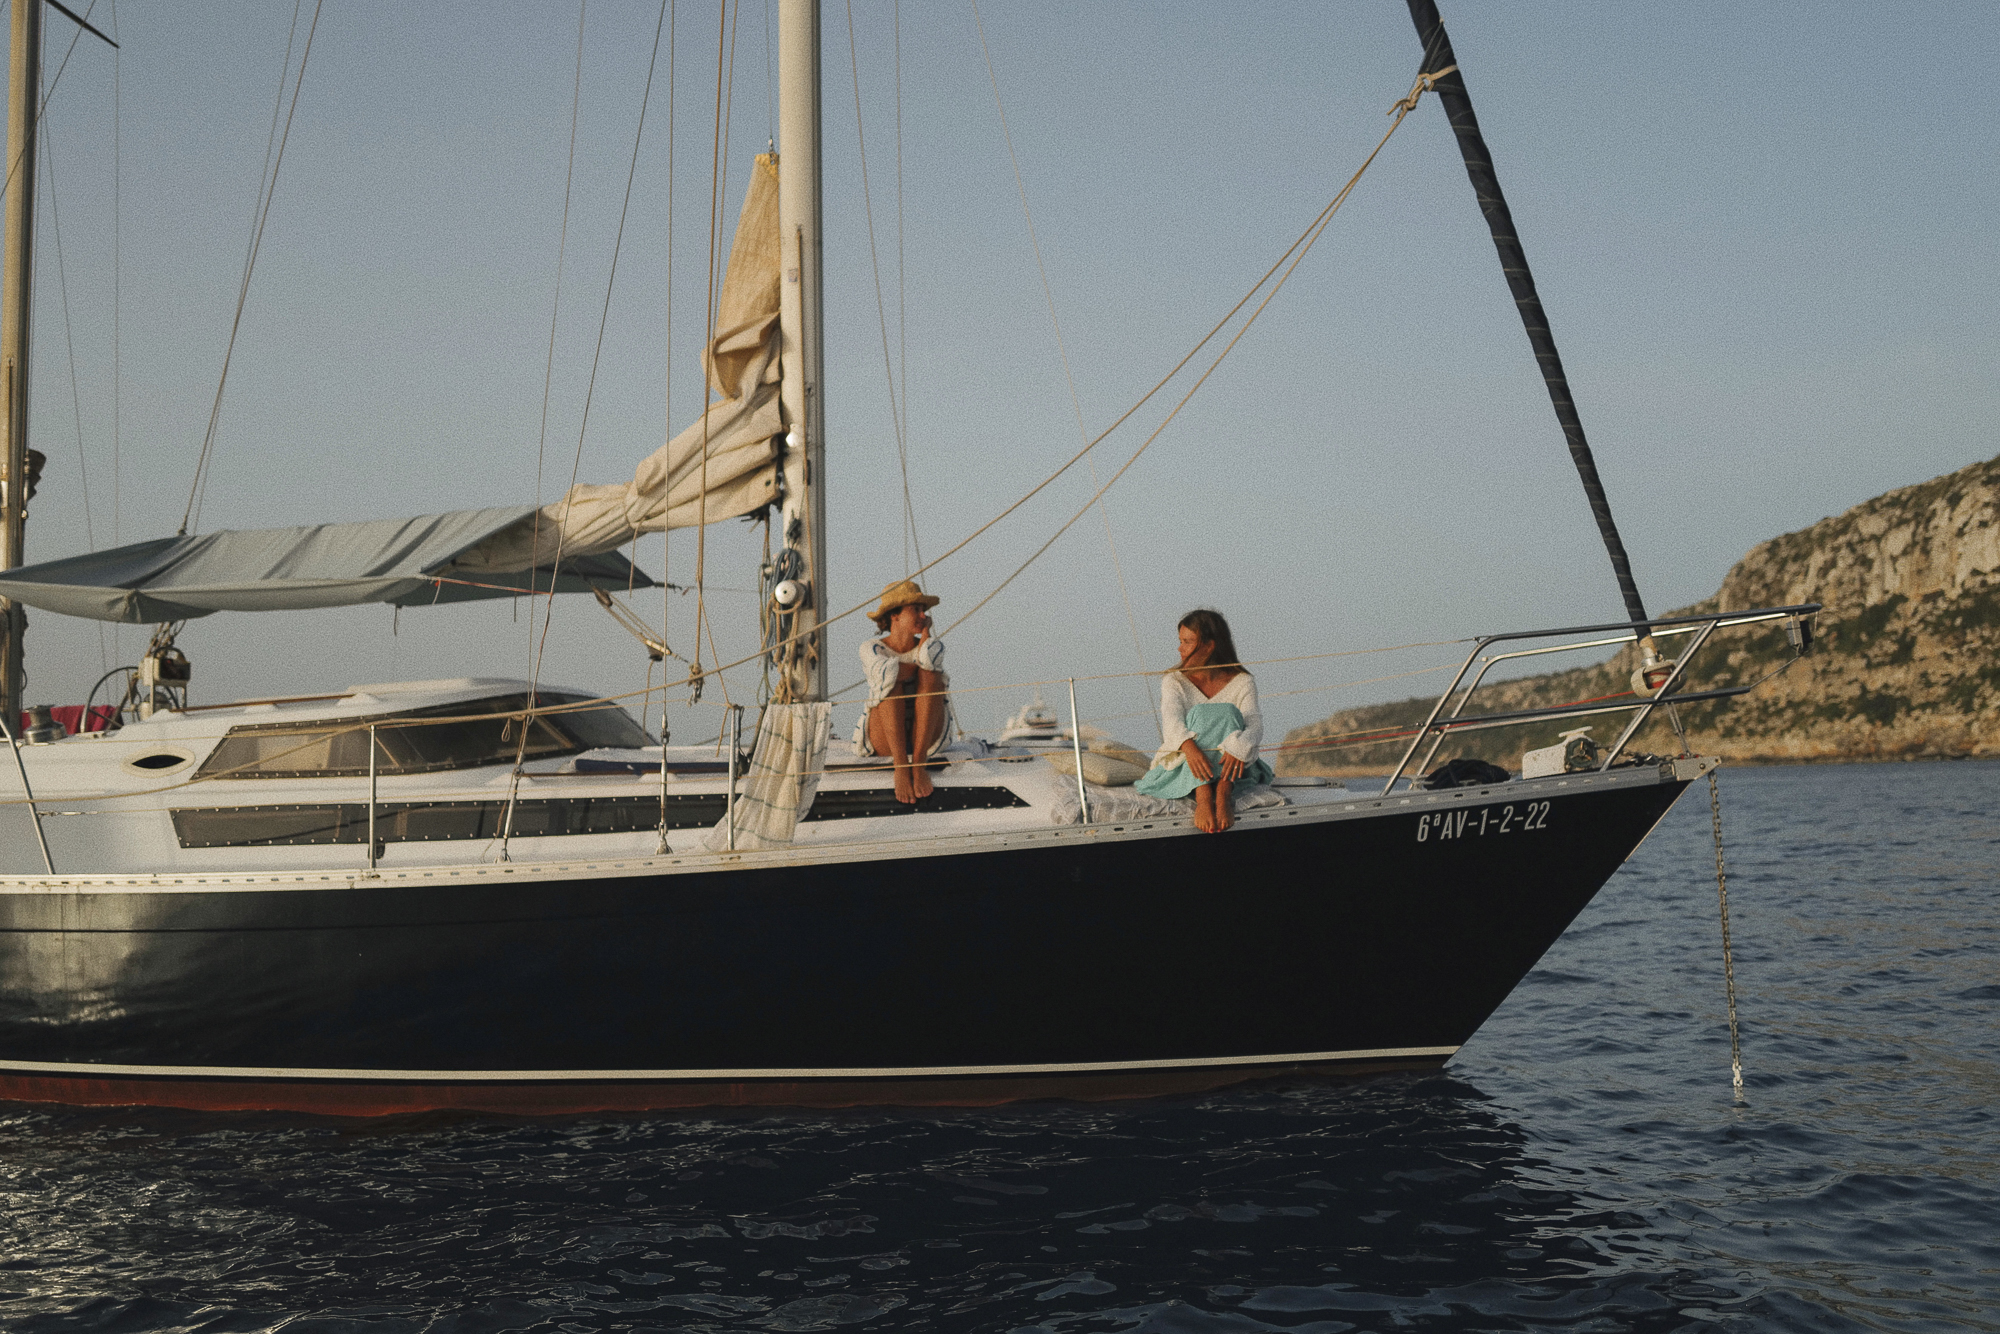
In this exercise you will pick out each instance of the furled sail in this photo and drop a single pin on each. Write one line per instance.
(408, 562)
(726, 463)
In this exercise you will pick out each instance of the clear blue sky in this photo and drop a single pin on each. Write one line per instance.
(1764, 234)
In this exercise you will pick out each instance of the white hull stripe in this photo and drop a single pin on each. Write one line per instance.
(88, 1070)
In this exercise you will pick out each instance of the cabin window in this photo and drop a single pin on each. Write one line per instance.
(482, 732)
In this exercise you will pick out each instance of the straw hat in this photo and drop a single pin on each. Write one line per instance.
(902, 593)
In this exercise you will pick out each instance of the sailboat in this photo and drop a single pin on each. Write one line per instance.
(502, 895)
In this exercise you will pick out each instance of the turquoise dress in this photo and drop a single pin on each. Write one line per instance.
(1211, 724)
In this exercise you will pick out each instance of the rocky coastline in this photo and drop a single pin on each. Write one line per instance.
(1906, 664)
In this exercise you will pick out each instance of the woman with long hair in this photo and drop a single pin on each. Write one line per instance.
(1210, 724)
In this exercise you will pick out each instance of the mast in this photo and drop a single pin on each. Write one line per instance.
(24, 81)
(1514, 261)
(799, 319)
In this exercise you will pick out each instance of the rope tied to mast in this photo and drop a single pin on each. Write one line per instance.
(1426, 83)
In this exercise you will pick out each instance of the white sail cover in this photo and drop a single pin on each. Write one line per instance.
(724, 465)
(408, 562)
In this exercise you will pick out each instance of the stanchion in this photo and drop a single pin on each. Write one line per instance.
(371, 796)
(663, 849)
(1076, 743)
(735, 753)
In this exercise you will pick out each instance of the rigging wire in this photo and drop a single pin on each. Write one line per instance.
(271, 134)
(902, 286)
(1062, 345)
(192, 514)
(75, 393)
(555, 308)
(666, 540)
(49, 90)
(708, 336)
(881, 310)
(1302, 247)
(603, 323)
(583, 424)
(117, 297)
(770, 82)
(1292, 255)
(719, 265)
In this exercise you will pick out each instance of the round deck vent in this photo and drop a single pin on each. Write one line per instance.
(162, 760)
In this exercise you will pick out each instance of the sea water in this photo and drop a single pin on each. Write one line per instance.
(1581, 1165)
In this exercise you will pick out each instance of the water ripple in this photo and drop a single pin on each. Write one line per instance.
(1581, 1166)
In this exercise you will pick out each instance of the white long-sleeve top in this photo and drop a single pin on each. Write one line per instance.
(883, 664)
(1178, 695)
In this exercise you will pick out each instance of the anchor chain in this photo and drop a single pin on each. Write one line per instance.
(1728, 961)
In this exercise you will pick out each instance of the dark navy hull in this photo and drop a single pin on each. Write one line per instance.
(1081, 962)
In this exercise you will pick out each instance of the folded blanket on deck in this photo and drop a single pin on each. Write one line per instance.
(784, 777)
(1122, 803)
(1106, 762)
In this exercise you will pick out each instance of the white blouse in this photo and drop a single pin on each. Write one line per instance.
(1178, 695)
(883, 665)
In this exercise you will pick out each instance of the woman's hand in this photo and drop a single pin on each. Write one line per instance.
(1197, 762)
(1232, 768)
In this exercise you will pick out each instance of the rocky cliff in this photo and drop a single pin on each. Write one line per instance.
(1907, 663)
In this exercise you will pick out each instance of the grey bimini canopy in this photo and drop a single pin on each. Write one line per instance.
(408, 562)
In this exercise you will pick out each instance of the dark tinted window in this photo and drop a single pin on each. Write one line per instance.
(479, 732)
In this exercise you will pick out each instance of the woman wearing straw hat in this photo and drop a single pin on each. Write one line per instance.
(907, 715)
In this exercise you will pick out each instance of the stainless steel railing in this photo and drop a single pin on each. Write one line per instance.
(1701, 628)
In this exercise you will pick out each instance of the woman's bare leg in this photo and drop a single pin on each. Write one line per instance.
(927, 728)
(1204, 808)
(888, 735)
(1225, 810)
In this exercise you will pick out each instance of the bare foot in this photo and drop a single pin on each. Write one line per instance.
(1204, 808)
(920, 781)
(1225, 809)
(906, 788)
